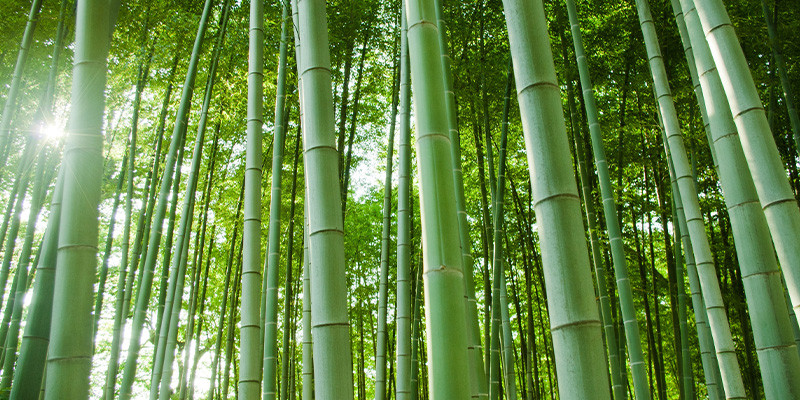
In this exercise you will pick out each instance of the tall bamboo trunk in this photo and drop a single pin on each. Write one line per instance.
(146, 280)
(330, 325)
(718, 321)
(383, 277)
(169, 326)
(574, 319)
(474, 353)
(442, 253)
(705, 341)
(270, 284)
(288, 300)
(250, 330)
(70, 350)
(404, 300)
(632, 336)
(769, 176)
(761, 276)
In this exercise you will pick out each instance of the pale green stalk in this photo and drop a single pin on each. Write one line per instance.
(404, 300)
(445, 309)
(718, 320)
(308, 358)
(146, 282)
(574, 320)
(477, 379)
(705, 341)
(270, 301)
(769, 316)
(70, 351)
(288, 298)
(101, 286)
(29, 372)
(606, 315)
(380, 352)
(24, 261)
(630, 322)
(329, 324)
(308, 343)
(172, 306)
(769, 176)
(252, 347)
(499, 299)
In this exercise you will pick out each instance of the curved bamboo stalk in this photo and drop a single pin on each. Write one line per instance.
(172, 307)
(707, 356)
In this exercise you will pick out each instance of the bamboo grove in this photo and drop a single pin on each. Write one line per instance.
(406, 199)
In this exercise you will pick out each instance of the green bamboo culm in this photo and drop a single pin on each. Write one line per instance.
(308, 343)
(329, 315)
(574, 320)
(769, 316)
(70, 350)
(289, 299)
(168, 334)
(445, 310)
(98, 302)
(308, 357)
(29, 371)
(606, 315)
(717, 318)
(10, 107)
(146, 278)
(130, 168)
(686, 379)
(499, 297)
(706, 343)
(404, 301)
(273, 247)
(27, 379)
(758, 144)
(12, 335)
(632, 337)
(477, 375)
(252, 342)
(383, 278)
